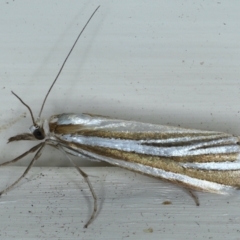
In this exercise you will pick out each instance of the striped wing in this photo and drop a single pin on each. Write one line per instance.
(202, 160)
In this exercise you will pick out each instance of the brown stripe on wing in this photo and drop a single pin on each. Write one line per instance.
(171, 164)
(54, 127)
(79, 129)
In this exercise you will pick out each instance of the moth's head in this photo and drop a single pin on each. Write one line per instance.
(36, 130)
(36, 133)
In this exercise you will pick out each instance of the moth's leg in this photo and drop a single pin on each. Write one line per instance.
(33, 149)
(85, 176)
(193, 195)
(37, 155)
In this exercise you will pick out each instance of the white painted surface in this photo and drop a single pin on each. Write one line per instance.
(165, 62)
(54, 203)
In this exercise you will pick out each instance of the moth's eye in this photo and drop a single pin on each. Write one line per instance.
(38, 134)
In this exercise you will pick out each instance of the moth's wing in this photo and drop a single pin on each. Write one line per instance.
(203, 160)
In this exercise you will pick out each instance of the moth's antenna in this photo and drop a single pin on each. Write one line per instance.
(34, 123)
(65, 62)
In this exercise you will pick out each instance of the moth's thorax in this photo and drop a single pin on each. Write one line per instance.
(67, 123)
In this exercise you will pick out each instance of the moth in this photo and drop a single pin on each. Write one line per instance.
(195, 159)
